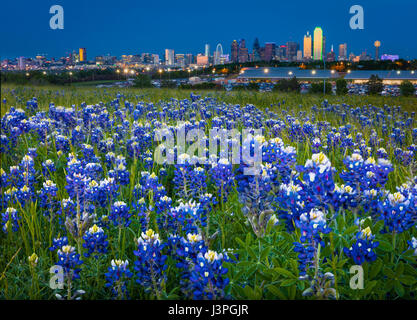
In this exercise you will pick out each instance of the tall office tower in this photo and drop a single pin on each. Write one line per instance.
(256, 50)
(169, 57)
(188, 59)
(318, 44)
(21, 63)
(324, 47)
(269, 53)
(234, 51)
(155, 58)
(180, 59)
(243, 53)
(281, 52)
(343, 51)
(207, 50)
(307, 46)
(292, 48)
(82, 55)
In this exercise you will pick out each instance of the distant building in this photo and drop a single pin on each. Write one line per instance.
(169, 57)
(256, 50)
(21, 63)
(343, 51)
(269, 53)
(243, 53)
(292, 48)
(105, 60)
(331, 56)
(391, 57)
(82, 52)
(234, 51)
(281, 52)
(155, 58)
(180, 60)
(202, 60)
(299, 55)
(207, 50)
(318, 44)
(307, 46)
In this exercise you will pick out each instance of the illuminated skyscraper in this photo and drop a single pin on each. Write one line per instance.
(318, 44)
(82, 54)
(234, 51)
(343, 51)
(307, 46)
(207, 50)
(169, 57)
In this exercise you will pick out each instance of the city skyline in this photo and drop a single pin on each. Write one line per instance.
(87, 26)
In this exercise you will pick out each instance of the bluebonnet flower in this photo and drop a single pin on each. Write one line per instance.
(222, 175)
(151, 262)
(207, 277)
(58, 243)
(48, 167)
(116, 277)
(10, 220)
(362, 249)
(69, 260)
(119, 214)
(122, 175)
(312, 226)
(397, 212)
(95, 241)
(47, 194)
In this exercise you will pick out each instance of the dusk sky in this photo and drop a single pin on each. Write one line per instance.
(133, 27)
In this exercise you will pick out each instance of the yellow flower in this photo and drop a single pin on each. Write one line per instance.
(33, 260)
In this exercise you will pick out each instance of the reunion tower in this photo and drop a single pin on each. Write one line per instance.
(377, 44)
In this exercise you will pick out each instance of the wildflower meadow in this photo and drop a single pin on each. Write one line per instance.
(172, 194)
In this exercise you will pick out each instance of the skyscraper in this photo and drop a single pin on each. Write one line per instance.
(169, 57)
(318, 44)
(307, 46)
(256, 50)
(234, 51)
(343, 51)
(243, 53)
(269, 51)
(82, 55)
(207, 50)
(292, 48)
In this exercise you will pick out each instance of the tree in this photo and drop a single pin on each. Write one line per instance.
(142, 81)
(375, 85)
(317, 87)
(341, 86)
(287, 85)
(407, 88)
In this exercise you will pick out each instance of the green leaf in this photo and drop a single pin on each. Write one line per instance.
(399, 289)
(408, 280)
(284, 272)
(385, 246)
(288, 282)
(350, 230)
(276, 292)
(378, 226)
(375, 269)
